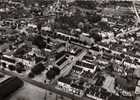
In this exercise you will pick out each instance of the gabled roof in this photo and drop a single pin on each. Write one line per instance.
(65, 80)
(85, 64)
(77, 68)
(77, 86)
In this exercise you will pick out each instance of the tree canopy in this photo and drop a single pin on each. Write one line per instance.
(37, 69)
(52, 73)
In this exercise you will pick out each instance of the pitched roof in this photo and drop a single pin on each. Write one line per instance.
(65, 80)
(77, 68)
(77, 86)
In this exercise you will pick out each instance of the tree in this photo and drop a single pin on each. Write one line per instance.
(20, 64)
(1, 55)
(96, 37)
(19, 70)
(12, 67)
(94, 18)
(20, 67)
(56, 70)
(94, 34)
(50, 74)
(122, 55)
(110, 67)
(3, 65)
(13, 26)
(37, 69)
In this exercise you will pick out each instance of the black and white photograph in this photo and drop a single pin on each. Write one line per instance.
(69, 49)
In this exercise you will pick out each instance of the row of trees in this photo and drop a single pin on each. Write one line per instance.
(39, 68)
(86, 18)
(19, 67)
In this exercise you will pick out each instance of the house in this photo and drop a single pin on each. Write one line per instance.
(97, 93)
(9, 60)
(86, 66)
(77, 89)
(77, 70)
(64, 84)
(67, 85)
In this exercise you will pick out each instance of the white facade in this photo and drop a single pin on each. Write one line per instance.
(67, 88)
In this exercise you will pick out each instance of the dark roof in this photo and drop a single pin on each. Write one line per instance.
(77, 86)
(106, 57)
(89, 57)
(61, 61)
(108, 54)
(84, 64)
(77, 68)
(78, 52)
(22, 50)
(65, 80)
(8, 59)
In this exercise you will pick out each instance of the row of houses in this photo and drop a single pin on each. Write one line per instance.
(66, 84)
(10, 60)
(76, 86)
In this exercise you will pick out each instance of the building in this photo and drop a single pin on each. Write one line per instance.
(9, 86)
(77, 70)
(67, 85)
(97, 93)
(64, 84)
(8, 60)
(86, 66)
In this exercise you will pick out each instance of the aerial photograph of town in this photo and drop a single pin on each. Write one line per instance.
(69, 49)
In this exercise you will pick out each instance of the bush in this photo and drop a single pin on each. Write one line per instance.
(3, 64)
